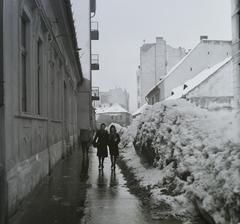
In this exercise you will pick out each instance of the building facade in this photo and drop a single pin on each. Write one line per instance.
(156, 59)
(116, 95)
(236, 50)
(204, 55)
(40, 82)
(211, 89)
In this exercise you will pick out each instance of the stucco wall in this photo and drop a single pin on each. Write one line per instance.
(206, 54)
(236, 51)
(216, 92)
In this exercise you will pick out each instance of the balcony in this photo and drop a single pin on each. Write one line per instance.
(95, 62)
(94, 31)
(92, 6)
(95, 93)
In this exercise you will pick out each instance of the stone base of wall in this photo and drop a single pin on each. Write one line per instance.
(26, 176)
(23, 178)
(2, 195)
(55, 154)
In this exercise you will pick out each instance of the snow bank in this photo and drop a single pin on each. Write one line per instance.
(196, 159)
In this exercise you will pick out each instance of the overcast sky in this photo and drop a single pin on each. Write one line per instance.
(124, 24)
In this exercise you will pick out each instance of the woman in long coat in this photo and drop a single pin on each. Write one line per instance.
(100, 141)
(113, 141)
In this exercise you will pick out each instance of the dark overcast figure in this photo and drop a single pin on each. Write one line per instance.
(100, 141)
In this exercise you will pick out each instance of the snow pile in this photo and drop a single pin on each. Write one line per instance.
(196, 159)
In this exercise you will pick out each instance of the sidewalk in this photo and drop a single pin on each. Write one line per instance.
(77, 192)
(61, 198)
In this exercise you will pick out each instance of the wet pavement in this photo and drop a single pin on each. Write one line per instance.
(77, 192)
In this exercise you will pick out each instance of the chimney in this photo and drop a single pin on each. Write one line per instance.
(203, 37)
(159, 39)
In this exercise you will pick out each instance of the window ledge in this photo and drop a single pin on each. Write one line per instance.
(31, 116)
(55, 120)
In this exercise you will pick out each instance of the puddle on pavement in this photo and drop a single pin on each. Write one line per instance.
(108, 199)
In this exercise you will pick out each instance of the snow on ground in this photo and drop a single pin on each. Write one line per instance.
(196, 163)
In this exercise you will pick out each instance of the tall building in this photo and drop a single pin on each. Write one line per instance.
(41, 82)
(87, 32)
(236, 50)
(116, 95)
(156, 59)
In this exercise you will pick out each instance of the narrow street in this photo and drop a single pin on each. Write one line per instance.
(77, 192)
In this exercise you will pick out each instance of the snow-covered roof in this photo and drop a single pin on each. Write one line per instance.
(139, 110)
(176, 93)
(198, 79)
(100, 109)
(115, 108)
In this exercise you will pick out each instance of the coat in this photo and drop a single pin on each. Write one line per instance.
(101, 141)
(113, 144)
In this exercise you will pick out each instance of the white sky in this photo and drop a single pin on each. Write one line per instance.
(124, 24)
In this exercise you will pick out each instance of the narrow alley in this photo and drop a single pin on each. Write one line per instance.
(77, 192)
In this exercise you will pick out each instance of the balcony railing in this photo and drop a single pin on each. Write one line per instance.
(95, 62)
(95, 93)
(94, 31)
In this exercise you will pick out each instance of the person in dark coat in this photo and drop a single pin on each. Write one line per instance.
(113, 141)
(100, 141)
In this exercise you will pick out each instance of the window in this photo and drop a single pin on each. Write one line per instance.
(39, 78)
(152, 100)
(190, 69)
(25, 34)
(138, 79)
(138, 92)
(139, 105)
(111, 117)
(157, 97)
(120, 117)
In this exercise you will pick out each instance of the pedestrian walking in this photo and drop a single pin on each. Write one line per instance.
(113, 141)
(100, 141)
(85, 139)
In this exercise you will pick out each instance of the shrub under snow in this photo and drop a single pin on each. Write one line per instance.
(195, 156)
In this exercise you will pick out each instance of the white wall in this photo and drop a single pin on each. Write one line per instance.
(206, 54)
(220, 84)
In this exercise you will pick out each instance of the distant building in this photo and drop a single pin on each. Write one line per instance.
(116, 95)
(205, 54)
(156, 59)
(113, 114)
(236, 51)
